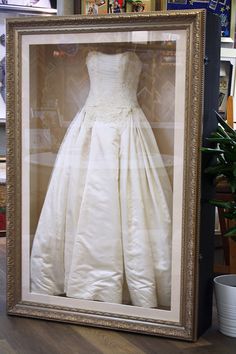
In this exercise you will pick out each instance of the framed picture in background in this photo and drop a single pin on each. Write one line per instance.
(101, 7)
(226, 9)
(104, 225)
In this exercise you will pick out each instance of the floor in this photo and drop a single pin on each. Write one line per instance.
(26, 336)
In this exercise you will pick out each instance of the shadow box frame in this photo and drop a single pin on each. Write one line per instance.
(181, 320)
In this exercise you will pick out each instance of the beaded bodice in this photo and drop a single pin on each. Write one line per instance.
(113, 79)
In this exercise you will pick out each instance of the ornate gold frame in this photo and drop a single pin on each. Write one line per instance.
(193, 23)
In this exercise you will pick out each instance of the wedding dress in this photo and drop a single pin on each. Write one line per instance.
(107, 212)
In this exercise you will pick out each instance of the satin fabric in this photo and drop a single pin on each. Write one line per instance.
(106, 217)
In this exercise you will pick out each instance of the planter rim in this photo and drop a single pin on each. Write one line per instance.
(222, 280)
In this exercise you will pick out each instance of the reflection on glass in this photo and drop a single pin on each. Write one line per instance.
(104, 230)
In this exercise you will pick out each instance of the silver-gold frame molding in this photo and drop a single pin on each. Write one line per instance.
(193, 22)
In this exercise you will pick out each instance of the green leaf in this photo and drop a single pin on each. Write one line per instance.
(220, 139)
(221, 159)
(216, 134)
(222, 132)
(221, 204)
(230, 216)
(211, 150)
(215, 170)
(227, 149)
(229, 156)
(225, 125)
(232, 182)
(231, 232)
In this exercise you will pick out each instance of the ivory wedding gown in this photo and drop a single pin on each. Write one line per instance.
(107, 212)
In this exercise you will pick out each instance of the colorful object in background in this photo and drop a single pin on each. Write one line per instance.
(2, 68)
(116, 6)
(94, 7)
(2, 195)
(2, 219)
(36, 3)
(219, 7)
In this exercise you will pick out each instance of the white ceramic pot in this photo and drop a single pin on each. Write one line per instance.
(225, 292)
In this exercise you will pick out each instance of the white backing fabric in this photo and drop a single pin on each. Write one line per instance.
(106, 217)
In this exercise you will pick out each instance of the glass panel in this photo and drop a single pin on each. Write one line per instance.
(103, 156)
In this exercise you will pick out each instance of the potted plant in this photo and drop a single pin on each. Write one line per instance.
(223, 167)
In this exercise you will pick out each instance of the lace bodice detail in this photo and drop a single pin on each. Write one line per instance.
(113, 79)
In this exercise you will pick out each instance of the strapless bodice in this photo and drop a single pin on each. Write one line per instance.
(113, 79)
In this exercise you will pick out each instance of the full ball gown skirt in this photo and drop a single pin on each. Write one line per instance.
(107, 211)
